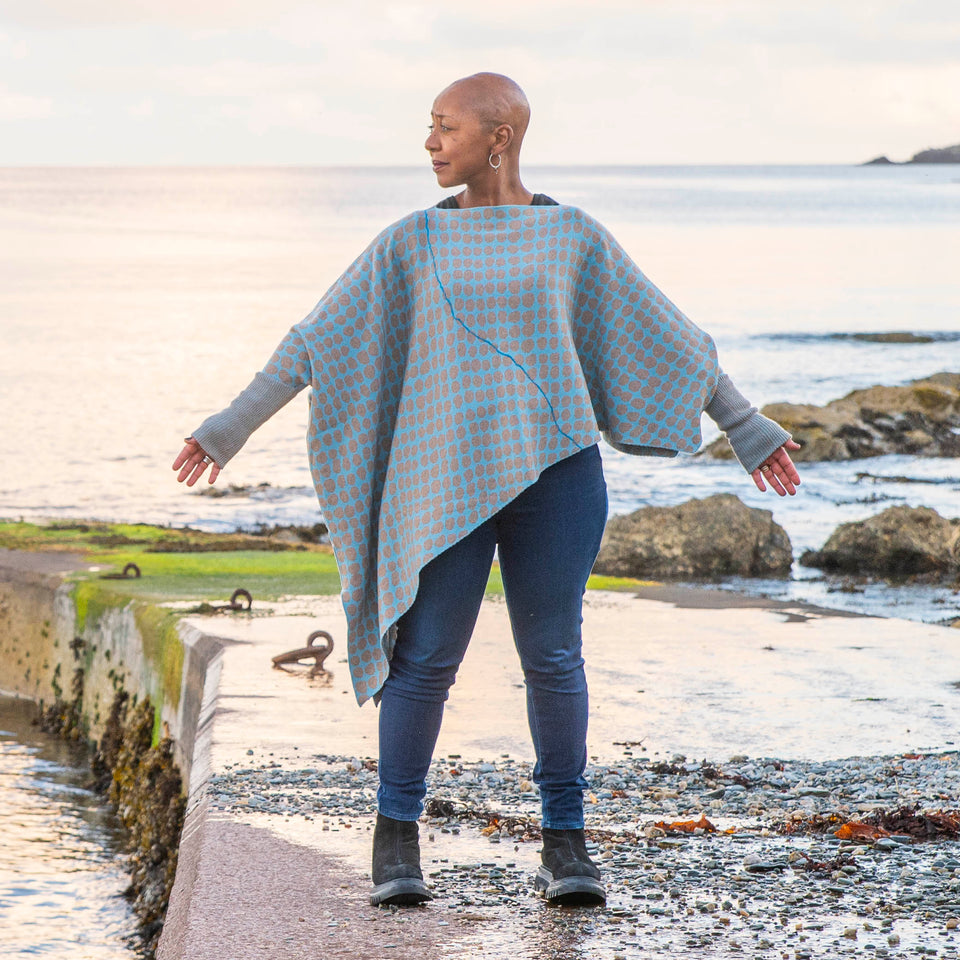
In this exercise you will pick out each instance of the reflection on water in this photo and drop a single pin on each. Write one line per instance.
(61, 872)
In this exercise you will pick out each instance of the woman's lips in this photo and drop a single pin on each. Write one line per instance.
(438, 164)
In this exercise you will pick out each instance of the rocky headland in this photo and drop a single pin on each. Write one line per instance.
(930, 155)
(921, 418)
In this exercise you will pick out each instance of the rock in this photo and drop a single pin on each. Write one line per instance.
(932, 155)
(919, 419)
(938, 155)
(899, 542)
(718, 536)
(890, 336)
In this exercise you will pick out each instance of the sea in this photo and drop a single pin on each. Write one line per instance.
(62, 879)
(134, 301)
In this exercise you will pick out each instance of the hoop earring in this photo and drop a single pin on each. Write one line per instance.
(498, 165)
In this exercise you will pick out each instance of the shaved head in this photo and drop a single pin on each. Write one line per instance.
(476, 129)
(493, 99)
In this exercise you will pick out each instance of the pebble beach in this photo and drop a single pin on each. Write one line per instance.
(758, 880)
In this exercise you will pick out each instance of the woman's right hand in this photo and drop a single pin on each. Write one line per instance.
(779, 471)
(192, 461)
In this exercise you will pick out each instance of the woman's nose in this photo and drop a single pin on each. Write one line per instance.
(432, 141)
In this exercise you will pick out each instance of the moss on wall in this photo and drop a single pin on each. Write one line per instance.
(92, 600)
(163, 648)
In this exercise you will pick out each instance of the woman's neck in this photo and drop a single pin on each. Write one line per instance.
(495, 192)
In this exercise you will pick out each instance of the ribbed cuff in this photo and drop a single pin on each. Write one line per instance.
(755, 439)
(223, 434)
(752, 436)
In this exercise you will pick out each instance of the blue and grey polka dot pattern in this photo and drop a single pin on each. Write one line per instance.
(462, 354)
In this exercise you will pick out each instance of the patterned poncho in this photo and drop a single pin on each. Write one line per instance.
(462, 354)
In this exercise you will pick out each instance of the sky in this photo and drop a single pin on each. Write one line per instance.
(351, 82)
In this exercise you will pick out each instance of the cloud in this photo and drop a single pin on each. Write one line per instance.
(57, 14)
(144, 108)
(21, 106)
(625, 81)
(14, 47)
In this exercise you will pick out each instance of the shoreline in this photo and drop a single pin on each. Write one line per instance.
(101, 538)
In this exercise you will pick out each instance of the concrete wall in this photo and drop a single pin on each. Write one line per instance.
(50, 628)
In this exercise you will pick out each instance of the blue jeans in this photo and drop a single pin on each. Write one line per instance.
(548, 538)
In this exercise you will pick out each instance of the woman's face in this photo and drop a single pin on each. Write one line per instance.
(459, 142)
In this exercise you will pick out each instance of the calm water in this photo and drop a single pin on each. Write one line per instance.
(61, 881)
(135, 301)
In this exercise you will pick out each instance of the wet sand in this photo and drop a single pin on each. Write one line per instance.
(712, 680)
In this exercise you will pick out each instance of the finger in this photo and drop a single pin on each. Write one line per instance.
(788, 475)
(784, 486)
(792, 445)
(758, 480)
(184, 455)
(776, 484)
(787, 466)
(214, 473)
(198, 471)
(189, 468)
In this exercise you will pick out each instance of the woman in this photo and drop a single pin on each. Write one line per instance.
(463, 369)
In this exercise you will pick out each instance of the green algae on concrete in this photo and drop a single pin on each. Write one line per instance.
(73, 535)
(184, 564)
(214, 576)
(163, 648)
(191, 565)
(126, 642)
(595, 582)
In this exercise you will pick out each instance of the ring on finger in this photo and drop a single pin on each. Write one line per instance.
(208, 459)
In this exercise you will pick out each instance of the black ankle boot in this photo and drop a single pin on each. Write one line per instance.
(396, 863)
(567, 875)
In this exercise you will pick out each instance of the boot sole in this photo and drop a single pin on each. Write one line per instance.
(570, 891)
(403, 892)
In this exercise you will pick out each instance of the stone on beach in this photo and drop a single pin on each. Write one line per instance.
(899, 542)
(921, 418)
(717, 536)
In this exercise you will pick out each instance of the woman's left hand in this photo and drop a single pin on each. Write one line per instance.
(779, 471)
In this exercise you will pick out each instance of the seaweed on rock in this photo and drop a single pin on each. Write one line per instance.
(146, 788)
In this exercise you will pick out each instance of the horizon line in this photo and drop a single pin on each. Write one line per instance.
(146, 164)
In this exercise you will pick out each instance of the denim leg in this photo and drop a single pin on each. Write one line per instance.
(548, 541)
(432, 637)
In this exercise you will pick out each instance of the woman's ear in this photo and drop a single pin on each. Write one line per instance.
(503, 136)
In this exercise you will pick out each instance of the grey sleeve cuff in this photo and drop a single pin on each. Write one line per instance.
(752, 436)
(224, 433)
